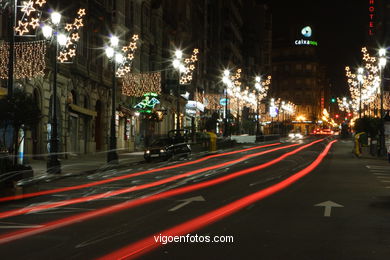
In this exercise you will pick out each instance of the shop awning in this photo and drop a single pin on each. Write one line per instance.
(82, 110)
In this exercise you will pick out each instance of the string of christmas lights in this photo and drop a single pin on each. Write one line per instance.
(128, 57)
(29, 57)
(137, 84)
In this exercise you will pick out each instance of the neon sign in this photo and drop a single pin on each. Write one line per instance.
(371, 14)
(148, 103)
(306, 32)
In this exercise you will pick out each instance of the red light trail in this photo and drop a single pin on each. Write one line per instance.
(137, 202)
(63, 203)
(82, 186)
(147, 244)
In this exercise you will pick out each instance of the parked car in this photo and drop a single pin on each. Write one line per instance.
(165, 148)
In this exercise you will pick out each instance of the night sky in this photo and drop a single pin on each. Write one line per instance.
(340, 27)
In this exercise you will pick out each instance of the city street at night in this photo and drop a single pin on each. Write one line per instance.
(276, 201)
(194, 129)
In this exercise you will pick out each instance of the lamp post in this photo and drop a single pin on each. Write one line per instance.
(115, 57)
(360, 79)
(53, 163)
(178, 65)
(226, 80)
(258, 88)
(382, 64)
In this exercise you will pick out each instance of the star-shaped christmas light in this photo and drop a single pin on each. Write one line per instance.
(28, 7)
(68, 27)
(40, 2)
(81, 12)
(72, 53)
(22, 28)
(78, 23)
(34, 22)
(75, 36)
(133, 46)
(62, 57)
(135, 37)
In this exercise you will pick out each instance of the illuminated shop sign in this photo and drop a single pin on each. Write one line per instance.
(148, 103)
(273, 111)
(306, 32)
(371, 14)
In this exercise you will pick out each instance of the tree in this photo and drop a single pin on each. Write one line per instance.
(19, 112)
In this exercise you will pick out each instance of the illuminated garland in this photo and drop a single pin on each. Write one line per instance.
(186, 77)
(30, 18)
(69, 50)
(128, 56)
(136, 85)
(29, 57)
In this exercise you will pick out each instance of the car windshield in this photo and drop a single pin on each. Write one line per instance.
(160, 142)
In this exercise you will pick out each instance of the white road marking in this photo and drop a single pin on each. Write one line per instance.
(328, 207)
(186, 202)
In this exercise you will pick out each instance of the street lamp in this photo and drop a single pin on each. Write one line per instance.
(360, 79)
(382, 64)
(226, 80)
(50, 33)
(121, 63)
(178, 65)
(258, 88)
(114, 55)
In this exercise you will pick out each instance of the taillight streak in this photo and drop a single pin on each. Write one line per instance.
(137, 202)
(57, 204)
(87, 185)
(147, 244)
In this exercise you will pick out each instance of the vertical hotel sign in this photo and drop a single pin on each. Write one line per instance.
(371, 14)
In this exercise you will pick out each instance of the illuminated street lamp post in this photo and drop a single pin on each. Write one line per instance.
(115, 57)
(178, 65)
(258, 88)
(360, 79)
(382, 64)
(53, 164)
(226, 80)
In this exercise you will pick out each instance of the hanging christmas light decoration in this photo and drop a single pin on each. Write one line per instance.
(68, 51)
(189, 63)
(137, 84)
(30, 59)
(366, 90)
(128, 56)
(30, 17)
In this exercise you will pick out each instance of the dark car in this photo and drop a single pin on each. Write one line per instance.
(165, 148)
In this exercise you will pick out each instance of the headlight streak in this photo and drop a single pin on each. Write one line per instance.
(147, 244)
(82, 186)
(12, 236)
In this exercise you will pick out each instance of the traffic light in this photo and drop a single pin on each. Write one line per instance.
(333, 100)
(337, 116)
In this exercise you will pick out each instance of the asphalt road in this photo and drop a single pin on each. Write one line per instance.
(274, 202)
